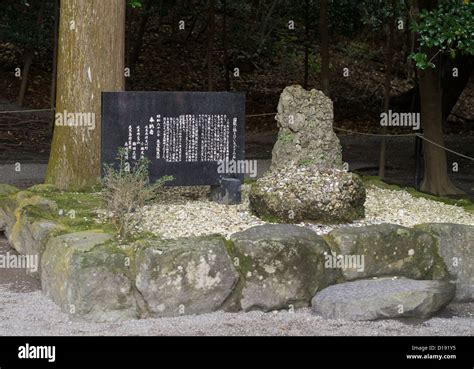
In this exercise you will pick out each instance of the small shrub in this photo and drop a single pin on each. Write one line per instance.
(126, 190)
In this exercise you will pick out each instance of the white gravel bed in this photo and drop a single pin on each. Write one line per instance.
(399, 207)
(32, 314)
(188, 212)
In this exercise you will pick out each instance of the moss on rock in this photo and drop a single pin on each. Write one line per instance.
(388, 250)
(185, 276)
(87, 275)
(6, 189)
(281, 266)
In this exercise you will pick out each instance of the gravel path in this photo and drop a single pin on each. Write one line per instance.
(24, 311)
(33, 314)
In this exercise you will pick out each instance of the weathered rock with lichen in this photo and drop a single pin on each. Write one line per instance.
(383, 298)
(6, 189)
(306, 135)
(456, 246)
(387, 249)
(25, 224)
(184, 276)
(8, 205)
(89, 276)
(23, 231)
(307, 193)
(307, 180)
(281, 266)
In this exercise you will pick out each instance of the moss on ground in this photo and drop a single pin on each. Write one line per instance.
(76, 211)
(250, 181)
(463, 202)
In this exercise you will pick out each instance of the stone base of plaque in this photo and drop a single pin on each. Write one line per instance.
(228, 192)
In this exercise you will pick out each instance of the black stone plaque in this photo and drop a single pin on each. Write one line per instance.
(183, 134)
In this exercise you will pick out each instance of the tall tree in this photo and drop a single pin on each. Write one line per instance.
(324, 39)
(28, 60)
(444, 29)
(138, 42)
(389, 51)
(210, 45)
(224, 46)
(306, 46)
(52, 103)
(90, 60)
(29, 26)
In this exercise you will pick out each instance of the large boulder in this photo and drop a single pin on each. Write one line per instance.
(28, 224)
(306, 135)
(8, 205)
(308, 193)
(386, 249)
(89, 276)
(383, 298)
(29, 237)
(185, 276)
(281, 266)
(306, 180)
(456, 247)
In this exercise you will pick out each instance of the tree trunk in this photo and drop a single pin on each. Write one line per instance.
(306, 47)
(55, 62)
(172, 50)
(137, 45)
(210, 46)
(90, 60)
(324, 38)
(436, 180)
(387, 85)
(129, 31)
(28, 59)
(224, 45)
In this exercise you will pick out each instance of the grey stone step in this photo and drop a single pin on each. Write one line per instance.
(371, 299)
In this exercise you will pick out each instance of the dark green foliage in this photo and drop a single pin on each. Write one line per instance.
(135, 3)
(27, 23)
(448, 29)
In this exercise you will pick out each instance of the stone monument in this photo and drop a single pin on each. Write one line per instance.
(306, 181)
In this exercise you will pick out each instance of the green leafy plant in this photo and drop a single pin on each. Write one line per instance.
(448, 29)
(126, 190)
(135, 3)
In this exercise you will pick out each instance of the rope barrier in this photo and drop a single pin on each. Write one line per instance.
(259, 115)
(23, 111)
(375, 134)
(444, 148)
(406, 135)
(336, 128)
